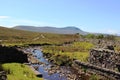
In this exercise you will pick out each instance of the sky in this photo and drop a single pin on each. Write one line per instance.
(101, 16)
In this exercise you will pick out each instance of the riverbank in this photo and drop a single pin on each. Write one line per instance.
(12, 60)
(19, 71)
(51, 71)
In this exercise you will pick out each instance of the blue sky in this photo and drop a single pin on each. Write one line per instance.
(89, 15)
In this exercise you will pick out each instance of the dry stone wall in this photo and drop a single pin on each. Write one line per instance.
(111, 74)
(3, 75)
(105, 58)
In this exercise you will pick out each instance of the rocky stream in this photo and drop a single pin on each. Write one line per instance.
(50, 71)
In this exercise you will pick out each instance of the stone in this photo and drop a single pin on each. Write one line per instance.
(104, 57)
(110, 47)
(3, 75)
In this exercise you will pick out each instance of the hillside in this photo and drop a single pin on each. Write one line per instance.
(8, 35)
(60, 55)
(47, 29)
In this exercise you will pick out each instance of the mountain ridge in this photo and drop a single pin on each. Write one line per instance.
(49, 29)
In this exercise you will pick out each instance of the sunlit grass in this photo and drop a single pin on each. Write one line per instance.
(75, 47)
(68, 53)
(18, 71)
(82, 56)
(83, 46)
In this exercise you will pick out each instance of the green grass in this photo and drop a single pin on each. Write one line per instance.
(83, 46)
(74, 47)
(82, 56)
(66, 54)
(18, 71)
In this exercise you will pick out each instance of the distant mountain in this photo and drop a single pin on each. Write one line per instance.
(47, 29)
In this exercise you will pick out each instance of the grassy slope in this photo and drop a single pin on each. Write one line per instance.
(12, 36)
(18, 71)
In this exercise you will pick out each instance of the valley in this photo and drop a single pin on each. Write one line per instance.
(59, 50)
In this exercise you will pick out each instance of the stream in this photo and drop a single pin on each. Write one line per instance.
(51, 71)
(45, 68)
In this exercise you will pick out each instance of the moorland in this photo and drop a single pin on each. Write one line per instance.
(60, 49)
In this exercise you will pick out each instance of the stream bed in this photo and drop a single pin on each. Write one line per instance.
(48, 70)
(51, 71)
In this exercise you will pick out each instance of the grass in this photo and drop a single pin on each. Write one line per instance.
(83, 46)
(74, 47)
(82, 56)
(19, 71)
(19, 37)
(64, 55)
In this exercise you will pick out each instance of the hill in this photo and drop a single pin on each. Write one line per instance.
(8, 35)
(47, 29)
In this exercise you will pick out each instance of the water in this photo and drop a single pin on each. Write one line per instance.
(43, 68)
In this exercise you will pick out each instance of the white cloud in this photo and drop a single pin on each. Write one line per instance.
(28, 22)
(111, 31)
(11, 21)
(4, 17)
